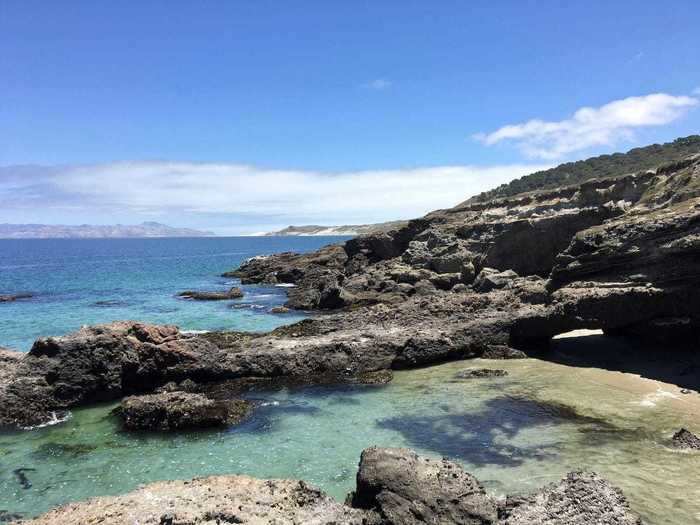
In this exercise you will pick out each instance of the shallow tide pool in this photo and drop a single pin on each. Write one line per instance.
(514, 433)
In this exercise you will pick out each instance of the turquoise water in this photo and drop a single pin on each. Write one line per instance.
(514, 433)
(79, 282)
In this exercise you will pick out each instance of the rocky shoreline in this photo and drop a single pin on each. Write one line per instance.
(488, 279)
(394, 487)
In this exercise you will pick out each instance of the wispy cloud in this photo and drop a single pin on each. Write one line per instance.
(696, 91)
(378, 84)
(260, 195)
(588, 127)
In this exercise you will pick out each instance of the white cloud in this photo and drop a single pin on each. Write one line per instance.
(378, 84)
(266, 195)
(588, 127)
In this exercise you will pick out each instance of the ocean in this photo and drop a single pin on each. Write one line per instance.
(90, 281)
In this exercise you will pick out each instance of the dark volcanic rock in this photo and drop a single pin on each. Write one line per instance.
(233, 293)
(582, 498)
(686, 439)
(503, 352)
(8, 298)
(407, 489)
(471, 373)
(180, 410)
(492, 279)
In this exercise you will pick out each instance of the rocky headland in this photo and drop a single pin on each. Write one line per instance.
(483, 279)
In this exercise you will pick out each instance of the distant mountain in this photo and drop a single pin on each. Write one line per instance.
(635, 160)
(348, 229)
(87, 231)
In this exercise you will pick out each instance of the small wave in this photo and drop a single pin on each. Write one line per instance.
(285, 285)
(650, 400)
(194, 332)
(54, 420)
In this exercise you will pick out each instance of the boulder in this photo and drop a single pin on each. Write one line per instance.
(180, 410)
(491, 279)
(407, 489)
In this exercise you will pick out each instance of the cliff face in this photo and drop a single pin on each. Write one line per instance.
(621, 254)
(618, 253)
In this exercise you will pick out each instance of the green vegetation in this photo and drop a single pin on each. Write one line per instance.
(638, 159)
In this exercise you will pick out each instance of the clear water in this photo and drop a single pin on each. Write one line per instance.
(511, 432)
(80, 282)
(514, 433)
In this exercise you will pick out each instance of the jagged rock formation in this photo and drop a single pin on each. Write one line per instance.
(407, 489)
(394, 487)
(686, 439)
(621, 254)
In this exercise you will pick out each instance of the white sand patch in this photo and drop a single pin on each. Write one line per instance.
(582, 332)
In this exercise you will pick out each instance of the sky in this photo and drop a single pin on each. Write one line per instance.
(247, 116)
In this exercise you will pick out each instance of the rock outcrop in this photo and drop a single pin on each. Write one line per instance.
(233, 293)
(180, 410)
(478, 280)
(621, 254)
(471, 373)
(9, 298)
(580, 498)
(213, 500)
(686, 439)
(394, 487)
(407, 489)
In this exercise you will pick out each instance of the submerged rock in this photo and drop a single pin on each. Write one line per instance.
(180, 410)
(686, 439)
(470, 373)
(8, 298)
(280, 310)
(233, 293)
(503, 352)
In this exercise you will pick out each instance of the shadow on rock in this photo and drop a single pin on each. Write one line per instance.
(672, 364)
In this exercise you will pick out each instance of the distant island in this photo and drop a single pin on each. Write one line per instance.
(89, 231)
(347, 229)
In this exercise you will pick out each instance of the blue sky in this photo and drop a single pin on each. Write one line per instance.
(253, 99)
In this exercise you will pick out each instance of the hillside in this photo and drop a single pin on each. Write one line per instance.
(347, 229)
(635, 160)
(87, 231)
